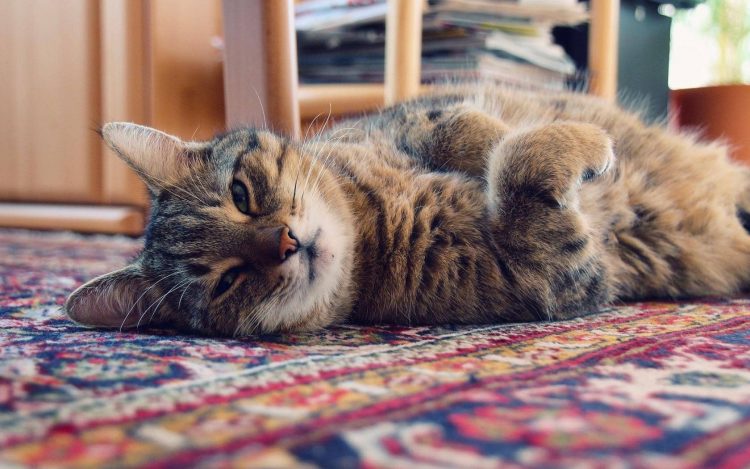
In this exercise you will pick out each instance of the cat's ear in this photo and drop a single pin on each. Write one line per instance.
(159, 158)
(112, 300)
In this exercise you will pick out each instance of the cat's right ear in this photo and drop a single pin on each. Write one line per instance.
(115, 299)
(159, 158)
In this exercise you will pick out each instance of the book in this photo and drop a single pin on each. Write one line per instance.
(348, 15)
(508, 41)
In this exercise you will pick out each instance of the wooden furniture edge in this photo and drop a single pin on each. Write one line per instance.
(84, 218)
(125, 90)
(342, 98)
(403, 49)
(260, 65)
(339, 99)
(604, 20)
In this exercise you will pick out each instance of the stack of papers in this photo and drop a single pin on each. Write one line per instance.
(507, 41)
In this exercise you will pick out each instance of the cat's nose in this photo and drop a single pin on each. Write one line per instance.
(288, 243)
(271, 245)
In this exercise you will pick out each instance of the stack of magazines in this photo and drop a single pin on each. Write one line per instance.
(508, 41)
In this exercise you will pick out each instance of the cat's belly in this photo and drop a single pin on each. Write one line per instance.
(426, 255)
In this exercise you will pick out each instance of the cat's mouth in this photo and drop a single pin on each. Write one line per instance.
(308, 279)
(312, 254)
(317, 255)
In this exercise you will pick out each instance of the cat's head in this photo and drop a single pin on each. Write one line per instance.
(247, 234)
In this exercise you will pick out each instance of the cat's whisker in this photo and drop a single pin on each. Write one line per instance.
(200, 185)
(316, 182)
(294, 193)
(163, 185)
(192, 180)
(262, 110)
(319, 151)
(326, 191)
(330, 152)
(158, 299)
(340, 176)
(309, 126)
(268, 307)
(255, 316)
(192, 198)
(250, 327)
(309, 171)
(179, 302)
(311, 164)
(135, 303)
(175, 288)
(312, 161)
(243, 322)
(197, 184)
(325, 124)
(251, 318)
(156, 308)
(305, 142)
(303, 147)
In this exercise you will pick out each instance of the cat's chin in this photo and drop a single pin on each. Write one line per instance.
(318, 277)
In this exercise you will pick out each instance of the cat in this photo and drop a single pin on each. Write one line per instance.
(475, 204)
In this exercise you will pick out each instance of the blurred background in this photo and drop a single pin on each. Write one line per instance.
(68, 66)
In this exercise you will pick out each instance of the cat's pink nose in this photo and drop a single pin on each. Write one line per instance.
(288, 243)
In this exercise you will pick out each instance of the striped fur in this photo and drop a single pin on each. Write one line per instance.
(473, 205)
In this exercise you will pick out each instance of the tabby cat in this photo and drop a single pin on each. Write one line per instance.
(476, 204)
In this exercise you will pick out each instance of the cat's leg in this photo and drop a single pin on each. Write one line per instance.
(548, 249)
(453, 138)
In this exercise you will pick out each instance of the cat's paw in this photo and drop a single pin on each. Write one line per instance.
(585, 153)
(593, 149)
(552, 160)
(570, 151)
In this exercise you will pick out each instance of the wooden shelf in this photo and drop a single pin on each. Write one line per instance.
(339, 99)
(91, 219)
(342, 98)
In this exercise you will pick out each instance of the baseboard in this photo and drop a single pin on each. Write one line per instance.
(84, 218)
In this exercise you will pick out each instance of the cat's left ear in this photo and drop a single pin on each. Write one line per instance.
(159, 158)
(116, 299)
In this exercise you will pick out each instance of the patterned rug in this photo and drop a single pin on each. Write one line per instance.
(645, 385)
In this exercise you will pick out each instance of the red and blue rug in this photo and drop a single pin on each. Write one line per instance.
(644, 385)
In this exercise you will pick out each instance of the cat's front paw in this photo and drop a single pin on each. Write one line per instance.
(595, 154)
(551, 161)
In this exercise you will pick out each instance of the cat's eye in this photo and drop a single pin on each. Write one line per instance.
(226, 281)
(240, 197)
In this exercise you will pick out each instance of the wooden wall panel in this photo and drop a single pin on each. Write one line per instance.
(260, 68)
(125, 90)
(50, 100)
(160, 67)
(186, 67)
